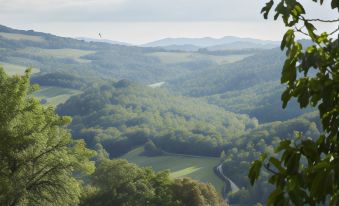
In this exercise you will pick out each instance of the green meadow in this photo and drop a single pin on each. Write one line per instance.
(21, 37)
(55, 95)
(182, 57)
(15, 69)
(200, 168)
(75, 54)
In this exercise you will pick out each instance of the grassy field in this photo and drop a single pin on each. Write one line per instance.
(75, 54)
(21, 37)
(182, 57)
(14, 69)
(180, 166)
(55, 95)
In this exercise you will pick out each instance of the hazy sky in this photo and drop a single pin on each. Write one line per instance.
(139, 21)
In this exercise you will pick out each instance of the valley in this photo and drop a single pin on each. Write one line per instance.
(204, 112)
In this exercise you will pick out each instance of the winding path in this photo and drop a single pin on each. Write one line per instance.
(234, 187)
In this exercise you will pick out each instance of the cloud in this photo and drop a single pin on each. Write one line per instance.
(135, 10)
(131, 10)
(52, 5)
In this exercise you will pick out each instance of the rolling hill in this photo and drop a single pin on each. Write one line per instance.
(205, 42)
(248, 86)
(94, 60)
(209, 103)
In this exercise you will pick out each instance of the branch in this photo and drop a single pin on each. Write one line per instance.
(319, 20)
(267, 167)
(322, 20)
(38, 176)
(55, 147)
(301, 31)
(333, 32)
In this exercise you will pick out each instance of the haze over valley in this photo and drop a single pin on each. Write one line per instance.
(199, 103)
(167, 103)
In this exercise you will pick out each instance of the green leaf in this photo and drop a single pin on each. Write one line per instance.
(321, 165)
(281, 9)
(299, 8)
(285, 97)
(276, 163)
(296, 198)
(288, 37)
(310, 29)
(274, 196)
(284, 144)
(266, 9)
(289, 72)
(309, 149)
(317, 184)
(304, 98)
(311, 49)
(335, 4)
(254, 171)
(292, 162)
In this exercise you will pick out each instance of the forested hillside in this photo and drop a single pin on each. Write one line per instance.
(262, 67)
(202, 104)
(122, 115)
(95, 60)
(41, 164)
(250, 86)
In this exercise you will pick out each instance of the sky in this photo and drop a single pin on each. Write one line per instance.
(141, 21)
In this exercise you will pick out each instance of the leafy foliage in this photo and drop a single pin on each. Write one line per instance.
(40, 164)
(122, 115)
(150, 149)
(194, 193)
(242, 151)
(304, 165)
(117, 182)
(118, 116)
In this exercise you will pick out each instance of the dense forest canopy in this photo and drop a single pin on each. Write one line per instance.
(40, 163)
(122, 115)
(214, 76)
(117, 182)
(170, 102)
(128, 114)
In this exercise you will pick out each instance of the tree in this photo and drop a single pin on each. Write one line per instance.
(222, 156)
(40, 164)
(117, 182)
(305, 171)
(193, 193)
(150, 149)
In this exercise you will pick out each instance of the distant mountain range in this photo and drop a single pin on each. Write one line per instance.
(242, 45)
(212, 44)
(194, 44)
(186, 48)
(86, 39)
